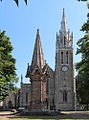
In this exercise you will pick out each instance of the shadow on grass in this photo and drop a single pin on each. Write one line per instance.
(34, 117)
(54, 117)
(42, 116)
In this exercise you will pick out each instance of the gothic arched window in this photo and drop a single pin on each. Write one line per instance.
(26, 97)
(64, 96)
(64, 40)
(61, 57)
(47, 86)
(67, 57)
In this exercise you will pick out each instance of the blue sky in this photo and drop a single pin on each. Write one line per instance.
(21, 24)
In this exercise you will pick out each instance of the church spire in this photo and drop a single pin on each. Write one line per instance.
(64, 37)
(38, 57)
(63, 23)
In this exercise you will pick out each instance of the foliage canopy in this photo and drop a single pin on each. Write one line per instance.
(82, 78)
(17, 2)
(7, 66)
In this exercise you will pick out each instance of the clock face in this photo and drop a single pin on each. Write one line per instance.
(64, 68)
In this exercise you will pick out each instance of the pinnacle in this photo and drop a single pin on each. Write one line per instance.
(63, 22)
(38, 57)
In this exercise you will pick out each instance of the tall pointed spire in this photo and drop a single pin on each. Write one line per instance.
(64, 37)
(38, 57)
(63, 23)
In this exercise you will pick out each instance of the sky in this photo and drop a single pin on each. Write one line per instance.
(21, 24)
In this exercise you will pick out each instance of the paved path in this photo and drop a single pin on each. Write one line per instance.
(76, 114)
(7, 114)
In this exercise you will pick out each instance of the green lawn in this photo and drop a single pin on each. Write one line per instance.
(65, 115)
(29, 118)
(46, 118)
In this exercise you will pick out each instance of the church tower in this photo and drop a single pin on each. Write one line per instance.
(64, 73)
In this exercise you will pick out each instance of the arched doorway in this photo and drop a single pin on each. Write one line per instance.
(46, 104)
(10, 105)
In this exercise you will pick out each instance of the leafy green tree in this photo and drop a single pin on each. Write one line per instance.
(82, 67)
(7, 66)
(83, 0)
(17, 1)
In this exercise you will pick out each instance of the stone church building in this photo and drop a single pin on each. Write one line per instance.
(53, 89)
(50, 89)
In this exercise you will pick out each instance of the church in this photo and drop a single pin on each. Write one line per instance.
(53, 89)
(50, 89)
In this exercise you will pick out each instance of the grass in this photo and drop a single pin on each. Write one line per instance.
(65, 115)
(46, 118)
(30, 118)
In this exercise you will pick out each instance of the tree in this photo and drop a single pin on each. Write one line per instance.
(17, 2)
(83, 0)
(82, 67)
(7, 66)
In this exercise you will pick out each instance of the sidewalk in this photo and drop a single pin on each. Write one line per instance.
(7, 114)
